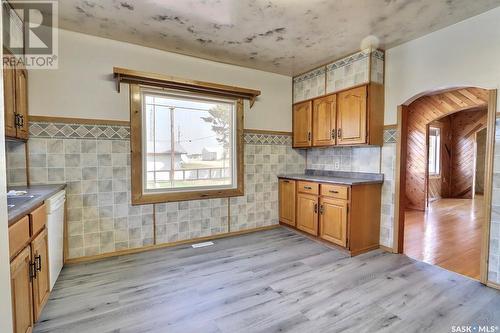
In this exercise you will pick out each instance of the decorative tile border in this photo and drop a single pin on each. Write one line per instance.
(78, 131)
(115, 132)
(380, 55)
(390, 135)
(267, 139)
(348, 60)
(309, 75)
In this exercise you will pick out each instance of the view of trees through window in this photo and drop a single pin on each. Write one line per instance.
(189, 142)
(434, 151)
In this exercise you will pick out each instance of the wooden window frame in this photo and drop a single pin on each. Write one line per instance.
(136, 145)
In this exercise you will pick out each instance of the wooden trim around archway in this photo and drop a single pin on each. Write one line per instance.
(401, 169)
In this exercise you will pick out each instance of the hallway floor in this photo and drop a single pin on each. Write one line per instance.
(448, 234)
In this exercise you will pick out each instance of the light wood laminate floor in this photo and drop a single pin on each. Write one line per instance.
(448, 234)
(269, 281)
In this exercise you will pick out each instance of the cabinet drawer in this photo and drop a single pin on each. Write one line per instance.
(308, 187)
(38, 218)
(335, 191)
(19, 236)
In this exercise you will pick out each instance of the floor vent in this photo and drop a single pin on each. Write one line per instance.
(197, 245)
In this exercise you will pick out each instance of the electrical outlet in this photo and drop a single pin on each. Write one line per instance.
(337, 165)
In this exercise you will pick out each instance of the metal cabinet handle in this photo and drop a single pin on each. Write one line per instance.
(307, 188)
(316, 208)
(21, 120)
(38, 263)
(333, 134)
(332, 191)
(339, 133)
(321, 209)
(32, 269)
(308, 136)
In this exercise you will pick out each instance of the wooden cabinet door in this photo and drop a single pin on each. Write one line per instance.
(287, 201)
(22, 102)
(41, 287)
(302, 124)
(307, 213)
(351, 116)
(22, 301)
(324, 121)
(333, 221)
(9, 93)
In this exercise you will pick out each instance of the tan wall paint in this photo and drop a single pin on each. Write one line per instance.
(82, 87)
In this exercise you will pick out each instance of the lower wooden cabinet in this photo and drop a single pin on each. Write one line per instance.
(333, 220)
(29, 269)
(287, 201)
(307, 213)
(347, 216)
(41, 287)
(22, 297)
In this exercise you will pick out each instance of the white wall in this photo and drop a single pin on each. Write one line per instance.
(82, 87)
(464, 54)
(5, 299)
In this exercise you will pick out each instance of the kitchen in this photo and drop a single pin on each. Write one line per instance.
(306, 183)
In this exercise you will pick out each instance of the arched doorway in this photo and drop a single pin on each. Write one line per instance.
(414, 118)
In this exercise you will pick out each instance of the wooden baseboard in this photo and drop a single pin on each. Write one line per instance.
(386, 248)
(364, 250)
(493, 285)
(165, 245)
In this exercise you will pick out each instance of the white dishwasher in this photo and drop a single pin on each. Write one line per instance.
(55, 230)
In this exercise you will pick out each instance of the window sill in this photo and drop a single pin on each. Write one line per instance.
(152, 198)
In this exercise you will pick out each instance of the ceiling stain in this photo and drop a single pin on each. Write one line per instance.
(286, 37)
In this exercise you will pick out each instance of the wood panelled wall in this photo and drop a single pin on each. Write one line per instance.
(464, 125)
(421, 113)
(480, 160)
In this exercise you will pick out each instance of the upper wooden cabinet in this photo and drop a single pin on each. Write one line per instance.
(287, 201)
(302, 124)
(323, 124)
(22, 102)
(9, 93)
(350, 117)
(15, 88)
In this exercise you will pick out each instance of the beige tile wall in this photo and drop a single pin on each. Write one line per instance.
(97, 171)
(15, 153)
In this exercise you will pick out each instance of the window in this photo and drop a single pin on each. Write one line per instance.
(189, 145)
(434, 151)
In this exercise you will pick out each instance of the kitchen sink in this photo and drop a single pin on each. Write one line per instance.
(17, 200)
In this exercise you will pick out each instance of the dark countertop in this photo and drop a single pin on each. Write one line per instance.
(337, 177)
(41, 193)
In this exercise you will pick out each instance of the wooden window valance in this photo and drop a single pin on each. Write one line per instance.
(170, 82)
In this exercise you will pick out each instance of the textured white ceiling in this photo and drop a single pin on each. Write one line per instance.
(281, 36)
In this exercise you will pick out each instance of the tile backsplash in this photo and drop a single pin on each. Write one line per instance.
(94, 160)
(15, 153)
(353, 159)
